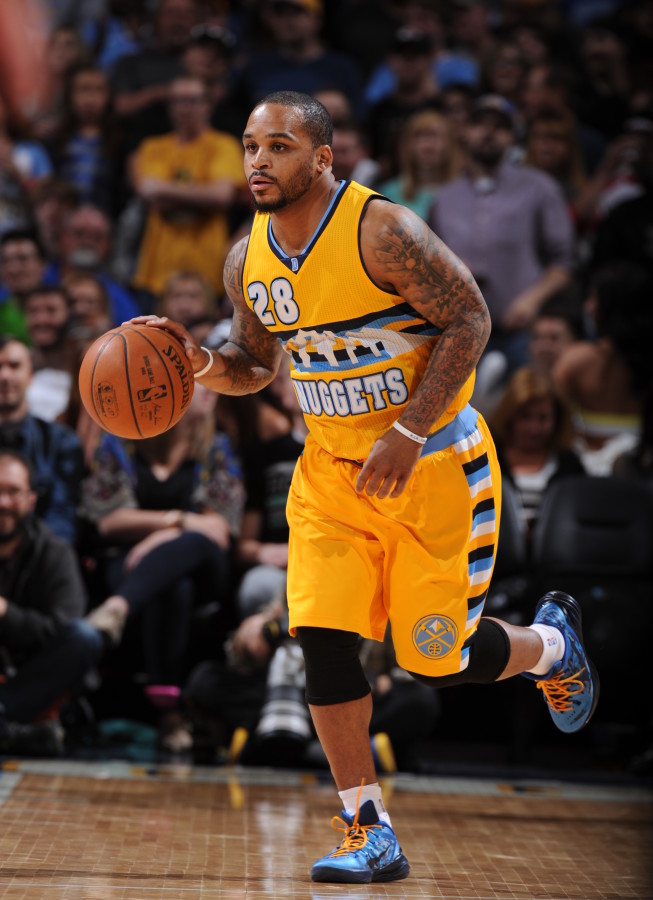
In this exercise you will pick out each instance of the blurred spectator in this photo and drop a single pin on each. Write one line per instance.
(548, 88)
(166, 510)
(457, 102)
(55, 357)
(297, 58)
(90, 317)
(622, 173)
(65, 52)
(510, 225)
(504, 70)
(556, 326)
(601, 99)
(188, 179)
(448, 64)
(336, 104)
(369, 31)
(90, 309)
(85, 246)
(533, 41)
(22, 268)
(532, 429)
(429, 156)
(52, 201)
(269, 462)
(141, 81)
(210, 56)
(625, 233)
(352, 159)
(117, 32)
(86, 149)
(424, 17)
(415, 90)
(605, 379)
(24, 165)
(187, 298)
(53, 450)
(552, 145)
(45, 647)
(471, 31)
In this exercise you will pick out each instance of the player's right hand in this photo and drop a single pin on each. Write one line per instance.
(196, 356)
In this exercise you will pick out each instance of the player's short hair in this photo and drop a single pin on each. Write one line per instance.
(316, 119)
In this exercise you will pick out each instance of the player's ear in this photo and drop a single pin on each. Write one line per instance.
(324, 157)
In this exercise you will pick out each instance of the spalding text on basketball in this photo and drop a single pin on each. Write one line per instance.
(173, 355)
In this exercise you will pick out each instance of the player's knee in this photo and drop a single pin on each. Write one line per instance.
(334, 673)
(489, 652)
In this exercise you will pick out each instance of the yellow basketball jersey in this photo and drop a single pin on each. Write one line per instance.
(357, 352)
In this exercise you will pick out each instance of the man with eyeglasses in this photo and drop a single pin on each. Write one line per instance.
(86, 245)
(46, 647)
(190, 180)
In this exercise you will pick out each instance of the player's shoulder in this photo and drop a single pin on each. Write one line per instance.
(380, 213)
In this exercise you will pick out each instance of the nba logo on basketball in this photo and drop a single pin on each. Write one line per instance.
(160, 392)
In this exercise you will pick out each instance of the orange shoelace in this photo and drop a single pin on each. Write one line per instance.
(355, 835)
(558, 691)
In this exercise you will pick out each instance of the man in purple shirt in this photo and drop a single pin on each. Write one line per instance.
(509, 223)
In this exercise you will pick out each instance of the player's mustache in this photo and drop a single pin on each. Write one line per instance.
(262, 175)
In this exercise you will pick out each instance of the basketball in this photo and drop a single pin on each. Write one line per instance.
(136, 381)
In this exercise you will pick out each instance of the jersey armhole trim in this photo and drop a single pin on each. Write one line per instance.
(360, 252)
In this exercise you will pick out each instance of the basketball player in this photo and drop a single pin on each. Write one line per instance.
(394, 505)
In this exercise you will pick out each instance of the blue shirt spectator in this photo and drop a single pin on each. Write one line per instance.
(54, 451)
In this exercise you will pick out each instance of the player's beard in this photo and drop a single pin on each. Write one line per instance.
(289, 193)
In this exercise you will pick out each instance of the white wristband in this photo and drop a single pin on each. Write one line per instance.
(207, 367)
(409, 434)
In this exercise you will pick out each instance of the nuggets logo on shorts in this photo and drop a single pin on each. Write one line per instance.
(435, 636)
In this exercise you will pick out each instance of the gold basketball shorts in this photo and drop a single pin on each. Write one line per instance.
(422, 560)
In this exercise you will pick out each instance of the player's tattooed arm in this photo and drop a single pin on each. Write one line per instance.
(250, 358)
(403, 255)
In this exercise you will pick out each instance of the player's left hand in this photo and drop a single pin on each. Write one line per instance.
(389, 466)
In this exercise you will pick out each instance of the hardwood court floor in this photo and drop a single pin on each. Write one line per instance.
(109, 830)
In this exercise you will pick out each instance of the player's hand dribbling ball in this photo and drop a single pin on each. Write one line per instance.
(136, 381)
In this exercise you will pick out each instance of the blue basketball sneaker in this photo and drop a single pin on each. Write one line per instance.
(571, 687)
(369, 851)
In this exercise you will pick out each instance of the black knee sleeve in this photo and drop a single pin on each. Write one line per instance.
(334, 673)
(489, 652)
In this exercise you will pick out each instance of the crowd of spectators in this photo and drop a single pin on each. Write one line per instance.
(521, 131)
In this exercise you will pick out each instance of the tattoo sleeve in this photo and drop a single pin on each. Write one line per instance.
(404, 253)
(250, 358)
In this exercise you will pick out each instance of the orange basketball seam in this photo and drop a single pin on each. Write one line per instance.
(165, 367)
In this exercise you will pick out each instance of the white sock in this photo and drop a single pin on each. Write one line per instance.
(367, 792)
(553, 648)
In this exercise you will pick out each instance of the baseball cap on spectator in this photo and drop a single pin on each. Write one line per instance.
(213, 35)
(411, 40)
(494, 103)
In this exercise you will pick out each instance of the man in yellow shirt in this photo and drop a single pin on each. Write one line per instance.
(188, 179)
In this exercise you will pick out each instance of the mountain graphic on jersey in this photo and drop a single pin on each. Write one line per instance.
(390, 334)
